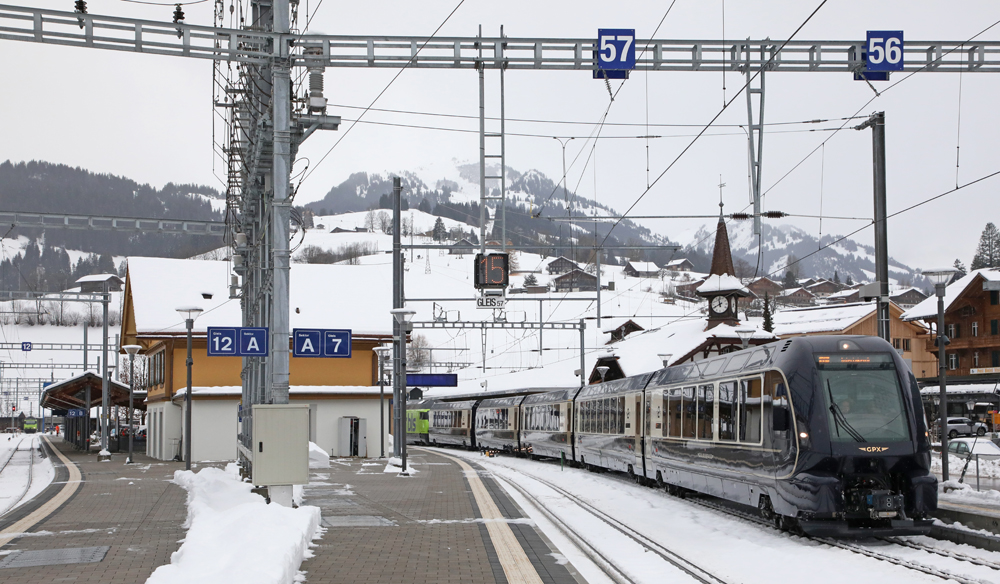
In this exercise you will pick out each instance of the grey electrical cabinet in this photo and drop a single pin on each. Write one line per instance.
(280, 444)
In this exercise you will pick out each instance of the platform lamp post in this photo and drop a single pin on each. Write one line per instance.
(602, 371)
(745, 336)
(665, 358)
(189, 313)
(131, 350)
(381, 353)
(940, 278)
(403, 317)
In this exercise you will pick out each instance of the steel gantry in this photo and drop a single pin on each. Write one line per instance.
(268, 117)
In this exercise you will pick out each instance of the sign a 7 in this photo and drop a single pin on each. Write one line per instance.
(616, 49)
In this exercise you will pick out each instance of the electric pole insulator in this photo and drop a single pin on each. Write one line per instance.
(80, 8)
(178, 14)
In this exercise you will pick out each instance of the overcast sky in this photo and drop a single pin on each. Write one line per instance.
(150, 118)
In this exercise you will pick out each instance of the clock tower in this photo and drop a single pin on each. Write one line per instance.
(722, 288)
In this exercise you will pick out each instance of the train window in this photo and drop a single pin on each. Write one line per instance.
(737, 361)
(690, 410)
(751, 407)
(621, 415)
(727, 410)
(674, 411)
(758, 358)
(712, 367)
(706, 411)
(863, 398)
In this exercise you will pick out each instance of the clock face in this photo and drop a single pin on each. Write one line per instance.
(720, 304)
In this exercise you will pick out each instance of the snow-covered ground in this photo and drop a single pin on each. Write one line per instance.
(14, 476)
(733, 549)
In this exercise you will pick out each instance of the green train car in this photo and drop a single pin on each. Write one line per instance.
(417, 422)
(30, 425)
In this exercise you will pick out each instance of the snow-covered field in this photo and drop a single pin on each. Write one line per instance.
(733, 549)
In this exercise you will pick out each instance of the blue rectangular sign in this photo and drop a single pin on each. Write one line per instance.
(337, 343)
(432, 379)
(252, 342)
(76, 413)
(615, 49)
(26, 346)
(884, 50)
(306, 343)
(222, 342)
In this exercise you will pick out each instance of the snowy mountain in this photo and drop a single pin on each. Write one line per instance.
(785, 244)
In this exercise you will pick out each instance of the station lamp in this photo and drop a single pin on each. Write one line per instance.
(189, 313)
(941, 277)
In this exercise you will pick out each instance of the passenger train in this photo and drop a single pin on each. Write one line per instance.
(824, 435)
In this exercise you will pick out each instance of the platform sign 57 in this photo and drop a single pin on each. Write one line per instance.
(616, 49)
(884, 50)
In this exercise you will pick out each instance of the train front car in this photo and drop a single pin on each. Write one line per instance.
(608, 429)
(417, 421)
(452, 423)
(863, 465)
(497, 424)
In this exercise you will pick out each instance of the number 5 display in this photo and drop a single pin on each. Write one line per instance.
(492, 270)
(884, 50)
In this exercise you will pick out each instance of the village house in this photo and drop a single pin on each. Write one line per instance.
(823, 288)
(679, 265)
(576, 281)
(764, 284)
(333, 388)
(641, 269)
(561, 265)
(463, 247)
(797, 297)
(908, 297)
(972, 323)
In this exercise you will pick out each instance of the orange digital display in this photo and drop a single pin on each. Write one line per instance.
(492, 270)
(853, 359)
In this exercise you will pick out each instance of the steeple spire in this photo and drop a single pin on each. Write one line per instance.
(722, 256)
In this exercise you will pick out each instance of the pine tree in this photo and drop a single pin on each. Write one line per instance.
(440, 232)
(790, 281)
(850, 281)
(988, 250)
(836, 277)
(531, 280)
(958, 265)
(768, 321)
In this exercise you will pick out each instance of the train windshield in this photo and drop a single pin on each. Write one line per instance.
(864, 400)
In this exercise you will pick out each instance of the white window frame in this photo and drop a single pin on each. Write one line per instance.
(975, 328)
(952, 361)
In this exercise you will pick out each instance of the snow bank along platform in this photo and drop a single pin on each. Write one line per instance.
(973, 515)
(447, 522)
(96, 522)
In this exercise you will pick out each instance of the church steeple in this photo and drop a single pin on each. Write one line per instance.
(722, 289)
(722, 256)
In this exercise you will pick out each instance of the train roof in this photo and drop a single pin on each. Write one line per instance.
(453, 405)
(559, 395)
(636, 382)
(501, 401)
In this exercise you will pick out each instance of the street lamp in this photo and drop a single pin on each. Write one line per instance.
(745, 336)
(602, 370)
(940, 277)
(665, 357)
(381, 354)
(131, 350)
(189, 313)
(403, 317)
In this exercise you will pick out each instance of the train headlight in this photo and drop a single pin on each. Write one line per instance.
(803, 435)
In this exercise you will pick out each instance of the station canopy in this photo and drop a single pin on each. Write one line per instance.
(70, 393)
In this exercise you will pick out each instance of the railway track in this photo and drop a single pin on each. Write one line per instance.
(758, 520)
(31, 464)
(13, 451)
(615, 572)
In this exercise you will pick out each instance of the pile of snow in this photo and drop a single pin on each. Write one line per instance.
(233, 535)
(988, 467)
(954, 491)
(395, 464)
(318, 458)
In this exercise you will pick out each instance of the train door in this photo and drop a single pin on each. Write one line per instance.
(640, 442)
(781, 423)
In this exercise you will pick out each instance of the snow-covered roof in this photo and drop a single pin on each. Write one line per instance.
(841, 294)
(722, 283)
(830, 318)
(791, 291)
(676, 262)
(927, 308)
(643, 266)
(97, 278)
(321, 296)
(963, 388)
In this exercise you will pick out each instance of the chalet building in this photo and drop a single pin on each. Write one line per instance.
(823, 288)
(333, 388)
(561, 265)
(908, 338)
(355, 230)
(972, 323)
(797, 297)
(641, 269)
(845, 296)
(679, 265)
(908, 298)
(765, 284)
(576, 281)
(463, 247)
(688, 289)
(94, 284)
(618, 329)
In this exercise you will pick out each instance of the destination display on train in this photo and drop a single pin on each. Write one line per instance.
(852, 358)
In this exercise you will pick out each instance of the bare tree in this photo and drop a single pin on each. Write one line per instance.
(384, 221)
(417, 355)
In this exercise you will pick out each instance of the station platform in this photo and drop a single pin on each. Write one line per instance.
(102, 522)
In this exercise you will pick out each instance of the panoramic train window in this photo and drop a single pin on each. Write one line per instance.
(673, 400)
(750, 410)
(727, 410)
(863, 397)
(706, 411)
(737, 361)
(690, 412)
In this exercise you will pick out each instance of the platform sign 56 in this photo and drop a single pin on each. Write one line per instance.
(616, 49)
(884, 50)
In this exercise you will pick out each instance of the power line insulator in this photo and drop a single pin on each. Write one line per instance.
(81, 6)
(178, 14)
(741, 216)
(774, 214)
